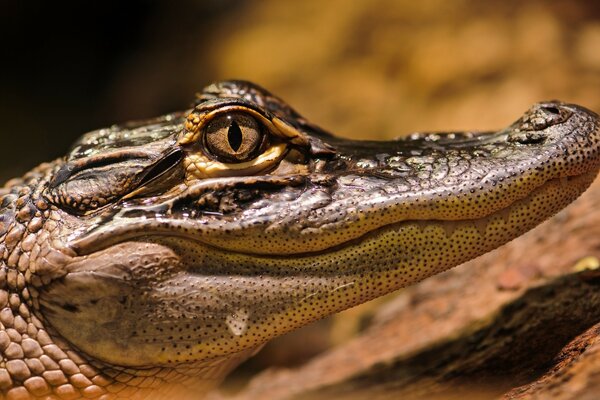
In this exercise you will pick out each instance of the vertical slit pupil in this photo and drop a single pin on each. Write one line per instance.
(234, 136)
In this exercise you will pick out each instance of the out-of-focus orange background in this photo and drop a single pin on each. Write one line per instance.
(363, 68)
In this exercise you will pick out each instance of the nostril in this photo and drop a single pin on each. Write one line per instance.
(542, 116)
(552, 110)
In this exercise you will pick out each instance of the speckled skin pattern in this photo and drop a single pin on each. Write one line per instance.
(141, 265)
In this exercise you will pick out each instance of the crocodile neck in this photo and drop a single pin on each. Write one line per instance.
(36, 360)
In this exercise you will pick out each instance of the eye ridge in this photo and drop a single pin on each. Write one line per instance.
(235, 136)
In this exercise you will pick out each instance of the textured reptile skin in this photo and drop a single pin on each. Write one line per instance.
(149, 261)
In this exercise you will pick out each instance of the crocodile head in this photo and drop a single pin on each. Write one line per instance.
(185, 242)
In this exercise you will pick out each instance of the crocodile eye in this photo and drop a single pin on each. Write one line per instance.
(234, 138)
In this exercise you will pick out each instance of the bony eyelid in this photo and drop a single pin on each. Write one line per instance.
(196, 122)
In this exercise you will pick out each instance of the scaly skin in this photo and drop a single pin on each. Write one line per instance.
(156, 256)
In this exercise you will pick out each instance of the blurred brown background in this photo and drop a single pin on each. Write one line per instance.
(370, 69)
(361, 68)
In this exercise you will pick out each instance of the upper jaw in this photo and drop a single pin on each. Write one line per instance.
(364, 186)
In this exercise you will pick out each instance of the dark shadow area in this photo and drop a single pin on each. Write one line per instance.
(71, 67)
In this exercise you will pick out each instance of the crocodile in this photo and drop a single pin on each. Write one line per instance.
(158, 255)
